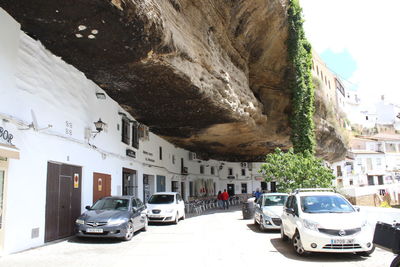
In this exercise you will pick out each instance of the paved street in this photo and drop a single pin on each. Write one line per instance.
(209, 240)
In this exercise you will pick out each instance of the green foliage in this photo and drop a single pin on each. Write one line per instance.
(300, 82)
(295, 170)
(385, 204)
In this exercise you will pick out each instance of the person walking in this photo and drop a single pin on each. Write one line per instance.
(219, 200)
(225, 197)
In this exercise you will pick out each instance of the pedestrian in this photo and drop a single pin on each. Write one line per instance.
(257, 194)
(219, 200)
(225, 198)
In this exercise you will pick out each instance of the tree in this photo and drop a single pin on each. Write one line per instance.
(295, 170)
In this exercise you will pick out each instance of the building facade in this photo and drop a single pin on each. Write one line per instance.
(54, 160)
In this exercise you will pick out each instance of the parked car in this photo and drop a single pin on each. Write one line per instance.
(320, 220)
(117, 216)
(166, 207)
(269, 209)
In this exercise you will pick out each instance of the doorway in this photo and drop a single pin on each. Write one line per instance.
(273, 187)
(174, 186)
(101, 185)
(63, 200)
(129, 182)
(161, 183)
(148, 187)
(231, 189)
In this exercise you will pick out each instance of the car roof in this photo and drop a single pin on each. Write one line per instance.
(275, 194)
(166, 193)
(316, 193)
(121, 197)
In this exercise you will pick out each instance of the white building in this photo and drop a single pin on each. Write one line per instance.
(53, 161)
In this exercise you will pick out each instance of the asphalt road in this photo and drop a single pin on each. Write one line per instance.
(215, 239)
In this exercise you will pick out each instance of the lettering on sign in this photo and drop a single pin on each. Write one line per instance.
(149, 159)
(6, 135)
(147, 153)
(68, 128)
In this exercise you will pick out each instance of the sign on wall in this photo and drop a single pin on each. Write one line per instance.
(5, 136)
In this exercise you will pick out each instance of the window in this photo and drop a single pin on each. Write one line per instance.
(160, 151)
(351, 182)
(191, 187)
(366, 117)
(243, 172)
(134, 204)
(339, 171)
(125, 130)
(244, 188)
(135, 135)
(173, 159)
(202, 169)
(380, 179)
(212, 170)
(230, 171)
(370, 180)
(139, 202)
(378, 162)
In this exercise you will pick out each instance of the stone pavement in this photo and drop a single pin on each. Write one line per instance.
(217, 238)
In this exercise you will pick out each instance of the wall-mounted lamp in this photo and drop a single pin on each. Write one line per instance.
(99, 126)
(100, 95)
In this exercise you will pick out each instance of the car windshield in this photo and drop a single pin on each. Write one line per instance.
(111, 204)
(161, 199)
(325, 204)
(277, 200)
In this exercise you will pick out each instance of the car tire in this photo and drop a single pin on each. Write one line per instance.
(255, 221)
(395, 262)
(146, 224)
(284, 237)
(129, 231)
(183, 216)
(367, 253)
(176, 218)
(297, 245)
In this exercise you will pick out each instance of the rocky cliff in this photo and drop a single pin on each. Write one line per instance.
(209, 76)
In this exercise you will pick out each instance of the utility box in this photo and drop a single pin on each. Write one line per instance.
(387, 236)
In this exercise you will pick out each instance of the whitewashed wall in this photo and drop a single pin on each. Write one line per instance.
(35, 81)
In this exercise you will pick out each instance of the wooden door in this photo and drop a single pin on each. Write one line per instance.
(101, 186)
(63, 200)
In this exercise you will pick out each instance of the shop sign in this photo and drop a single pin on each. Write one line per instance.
(5, 136)
(131, 153)
(259, 178)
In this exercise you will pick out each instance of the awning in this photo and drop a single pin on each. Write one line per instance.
(8, 151)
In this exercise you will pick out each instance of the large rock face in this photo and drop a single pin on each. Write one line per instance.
(206, 75)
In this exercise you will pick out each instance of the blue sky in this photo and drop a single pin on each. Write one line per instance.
(360, 40)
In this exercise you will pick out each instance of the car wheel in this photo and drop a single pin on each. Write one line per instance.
(283, 235)
(176, 218)
(129, 231)
(146, 224)
(297, 245)
(367, 253)
(255, 220)
(184, 216)
(395, 262)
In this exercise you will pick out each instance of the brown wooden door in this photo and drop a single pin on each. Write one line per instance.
(63, 200)
(101, 185)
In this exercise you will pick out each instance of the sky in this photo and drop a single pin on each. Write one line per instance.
(360, 41)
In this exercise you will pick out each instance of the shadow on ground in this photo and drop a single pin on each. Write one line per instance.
(256, 228)
(285, 248)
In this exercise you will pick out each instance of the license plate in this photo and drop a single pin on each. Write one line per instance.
(342, 241)
(155, 216)
(94, 230)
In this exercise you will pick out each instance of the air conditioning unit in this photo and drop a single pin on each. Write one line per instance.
(243, 164)
(143, 132)
(185, 170)
(192, 156)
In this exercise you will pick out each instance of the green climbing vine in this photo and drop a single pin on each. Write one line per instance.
(300, 82)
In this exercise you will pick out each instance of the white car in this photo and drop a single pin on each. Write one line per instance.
(165, 207)
(320, 220)
(268, 210)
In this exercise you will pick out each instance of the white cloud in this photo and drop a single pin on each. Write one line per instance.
(369, 30)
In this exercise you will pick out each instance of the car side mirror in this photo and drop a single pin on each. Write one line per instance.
(134, 209)
(87, 207)
(290, 211)
(357, 209)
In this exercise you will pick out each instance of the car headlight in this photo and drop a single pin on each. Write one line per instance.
(117, 222)
(80, 221)
(310, 225)
(169, 211)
